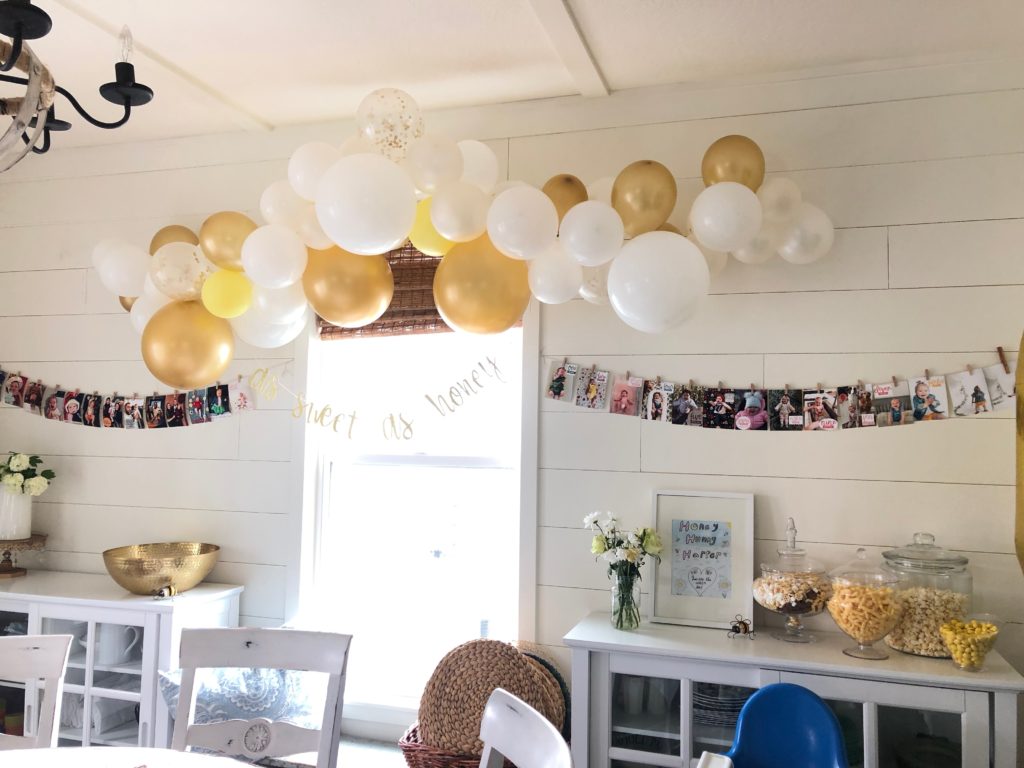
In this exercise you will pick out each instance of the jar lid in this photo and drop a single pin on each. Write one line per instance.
(861, 571)
(924, 554)
(792, 559)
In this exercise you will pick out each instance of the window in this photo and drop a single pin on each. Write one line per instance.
(418, 531)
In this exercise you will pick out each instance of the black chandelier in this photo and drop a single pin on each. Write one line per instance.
(34, 114)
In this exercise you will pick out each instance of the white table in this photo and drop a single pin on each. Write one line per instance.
(112, 757)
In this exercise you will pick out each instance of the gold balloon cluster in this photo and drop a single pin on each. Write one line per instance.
(733, 158)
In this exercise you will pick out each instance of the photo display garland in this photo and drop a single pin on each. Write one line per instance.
(894, 403)
(130, 412)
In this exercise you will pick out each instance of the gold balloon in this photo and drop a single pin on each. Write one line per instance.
(733, 158)
(565, 191)
(221, 238)
(175, 233)
(480, 290)
(666, 227)
(186, 347)
(346, 289)
(644, 194)
(127, 302)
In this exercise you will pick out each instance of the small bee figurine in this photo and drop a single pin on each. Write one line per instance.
(741, 626)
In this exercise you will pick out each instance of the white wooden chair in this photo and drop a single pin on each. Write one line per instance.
(268, 649)
(513, 729)
(31, 658)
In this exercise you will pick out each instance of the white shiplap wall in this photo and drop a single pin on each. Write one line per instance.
(922, 170)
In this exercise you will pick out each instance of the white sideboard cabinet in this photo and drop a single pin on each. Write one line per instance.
(661, 695)
(121, 641)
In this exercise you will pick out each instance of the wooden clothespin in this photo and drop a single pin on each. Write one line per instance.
(135, 395)
(860, 383)
(970, 369)
(239, 378)
(894, 382)
(785, 386)
(565, 361)
(1002, 359)
(927, 373)
(720, 384)
(691, 383)
(820, 387)
(657, 382)
(627, 374)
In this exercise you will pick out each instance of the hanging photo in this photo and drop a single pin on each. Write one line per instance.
(751, 409)
(850, 407)
(654, 401)
(33, 402)
(155, 418)
(12, 392)
(592, 390)
(113, 411)
(197, 407)
(242, 398)
(218, 403)
(53, 404)
(562, 381)
(865, 405)
(968, 393)
(134, 413)
(891, 404)
(626, 395)
(928, 398)
(820, 410)
(91, 405)
(174, 410)
(719, 408)
(1001, 386)
(72, 407)
(785, 410)
(686, 406)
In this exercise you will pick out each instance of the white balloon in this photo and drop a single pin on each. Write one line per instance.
(522, 222)
(780, 198)
(253, 329)
(280, 204)
(725, 216)
(356, 145)
(716, 259)
(178, 270)
(121, 266)
(601, 189)
(657, 280)
(479, 164)
(273, 256)
(595, 284)
(592, 233)
(279, 305)
(145, 306)
(433, 161)
(555, 276)
(458, 211)
(809, 237)
(307, 166)
(366, 204)
(763, 246)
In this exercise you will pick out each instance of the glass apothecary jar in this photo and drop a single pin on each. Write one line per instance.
(936, 589)
(794, 586)
(865, 604)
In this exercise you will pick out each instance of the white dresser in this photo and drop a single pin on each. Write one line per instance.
(111, 691)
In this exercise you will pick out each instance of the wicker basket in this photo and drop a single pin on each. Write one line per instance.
(419, 755)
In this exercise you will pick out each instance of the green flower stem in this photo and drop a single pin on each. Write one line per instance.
(625, 611)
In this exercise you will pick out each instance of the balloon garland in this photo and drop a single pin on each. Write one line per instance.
(330, 224)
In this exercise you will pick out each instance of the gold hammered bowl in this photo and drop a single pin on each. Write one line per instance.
(167, 568)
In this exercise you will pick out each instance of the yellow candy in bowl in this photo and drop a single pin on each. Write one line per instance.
(969, 641)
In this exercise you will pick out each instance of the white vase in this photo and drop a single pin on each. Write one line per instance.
(15, 516)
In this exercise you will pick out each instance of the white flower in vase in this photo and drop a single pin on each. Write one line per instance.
(19, 462)
(13, 482)
(35, 486)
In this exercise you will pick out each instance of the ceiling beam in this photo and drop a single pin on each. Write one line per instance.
(200, 90)
(564, 33)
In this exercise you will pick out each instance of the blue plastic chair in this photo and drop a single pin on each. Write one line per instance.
(787, 726)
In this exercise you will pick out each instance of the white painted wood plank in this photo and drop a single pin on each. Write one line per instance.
(266, 435)
(960, 253)
(559, 609)
(829, 322)
(880, 513)
(259, 621)
(572, 441)
(59, 292)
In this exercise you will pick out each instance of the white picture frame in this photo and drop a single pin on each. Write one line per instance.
(706, 572)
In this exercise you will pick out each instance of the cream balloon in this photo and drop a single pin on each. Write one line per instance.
(280, 204)
(764, 245)
(458, 211)
(601, 190)
(808, 237)
(389, 118)
(178, 270)
(366, 204)
(595, 285)
(655, 284)
(725, 216)
(479, 164)
(310, 232)
(307, 166)
(780, 198)
(555, 277)
(273, 256)
(279, 305)
(433, 161)
(254, 329)
(592, 233)
(121, 266)
(522, 222)
(145, 307)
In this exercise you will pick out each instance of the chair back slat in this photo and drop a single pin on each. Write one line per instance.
(254, 739)
(34, 659)
(266, 648)
(512, 729)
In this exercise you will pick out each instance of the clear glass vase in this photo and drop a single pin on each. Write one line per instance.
(626, 597)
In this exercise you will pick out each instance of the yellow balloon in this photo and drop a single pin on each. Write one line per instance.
(227, 293)
(221, 238)
(644, 194)
(424, 237)
(480, 290)
(565, 191)
(175, 233)
(346, 289)
(733, 158)
(127, 302)
(186, 347)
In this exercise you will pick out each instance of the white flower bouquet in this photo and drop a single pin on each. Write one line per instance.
(625, 553)
(19, 474)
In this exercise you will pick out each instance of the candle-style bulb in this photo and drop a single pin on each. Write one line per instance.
(127, 44)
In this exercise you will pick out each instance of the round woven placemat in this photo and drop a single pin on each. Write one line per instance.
(555, 675)
(453, 701)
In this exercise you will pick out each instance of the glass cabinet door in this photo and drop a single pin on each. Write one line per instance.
(715, 709)
(645, 714)
(12, 693)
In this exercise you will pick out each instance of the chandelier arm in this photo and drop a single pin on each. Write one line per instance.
(92, 120)
(46, 142)
(8, 65)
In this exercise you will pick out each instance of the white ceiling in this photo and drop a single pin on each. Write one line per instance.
(230, 64)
